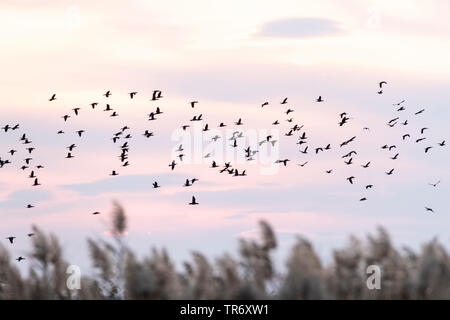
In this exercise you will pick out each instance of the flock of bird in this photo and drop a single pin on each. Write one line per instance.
(124, 136)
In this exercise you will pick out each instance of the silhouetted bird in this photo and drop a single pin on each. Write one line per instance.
(53, 97)
(11, 239)
(193, 202)
(132, 94)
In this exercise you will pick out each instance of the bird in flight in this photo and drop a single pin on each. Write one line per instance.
(20, 259)
(350, 179)
(107, 93)
(420, 111)
(172, 165)
(95, 213)
(427, 149)
(132, 94)
(442, 143)
(157, 94)
(53, 97)
(429, 209)
(193, 103)
(11, 239)
(285, 161)
(193, 202)
(435, 184)
(155, 185)
(390, 172)
(264, 104)
(319, 99)
(284, 101)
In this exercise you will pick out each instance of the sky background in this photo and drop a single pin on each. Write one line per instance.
(230, 56)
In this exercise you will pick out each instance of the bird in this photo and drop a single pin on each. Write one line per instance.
(395, 157)
(53, 97)
(329, 171)
(11, 239)
(349, 162)
(157, 94)
(442, 143)
(94, 104)
(69, 156)
(285, 161)
(107, 93)
(435, 184)
(382, 83)
(319, 99)
(423, 130)
(30, 234)
(399, 103)
(264, 104)
(132, 94)
(155, 185)
(275, 123)
(390, 172)
(172, 165)
(148, 134)
(113, 173)
(76, 110)
(420, 139)
(289, 111)
(65, 117)
(239, 122)
(420, 111)
(187, 183)
(363, 199)
(193, 202)
(429, 209)
(284, 101)
(369, 186)
(427, 149)
(95, 213)
(80, 132)
(29, 206)
(350, 179)
(20, 259)
(405, 136)
(303, 164)
(193, 103)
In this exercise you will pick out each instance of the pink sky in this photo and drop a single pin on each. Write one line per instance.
(231, 57)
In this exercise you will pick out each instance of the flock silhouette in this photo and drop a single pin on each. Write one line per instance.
(123, 136)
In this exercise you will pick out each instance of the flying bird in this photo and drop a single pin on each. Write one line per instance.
(53, 97)
(132, 94)
(11, 239)
(193, 202)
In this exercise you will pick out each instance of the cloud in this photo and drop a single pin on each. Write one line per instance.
(301, 28)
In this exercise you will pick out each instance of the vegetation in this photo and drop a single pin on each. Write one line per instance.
(121, 275)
